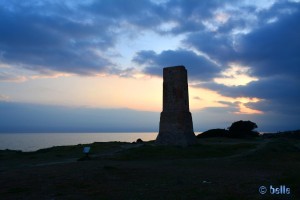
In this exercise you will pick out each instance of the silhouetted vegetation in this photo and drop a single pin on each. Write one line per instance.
(214, 133)
(239, 129)
(139, 140)
(243, 129)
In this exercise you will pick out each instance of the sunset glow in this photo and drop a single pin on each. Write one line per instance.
(241, 59)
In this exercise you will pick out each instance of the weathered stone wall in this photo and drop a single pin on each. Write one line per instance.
(176, 125)
(175, 89)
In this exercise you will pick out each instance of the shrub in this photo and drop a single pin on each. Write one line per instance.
(243, 129)
(214, 133)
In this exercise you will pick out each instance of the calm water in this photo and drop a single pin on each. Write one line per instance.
(35, 141)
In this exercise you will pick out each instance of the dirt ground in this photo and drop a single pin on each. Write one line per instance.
(218, 168)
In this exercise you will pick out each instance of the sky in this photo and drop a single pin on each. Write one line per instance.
(96, 65)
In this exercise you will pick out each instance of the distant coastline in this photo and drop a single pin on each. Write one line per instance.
(35, 141)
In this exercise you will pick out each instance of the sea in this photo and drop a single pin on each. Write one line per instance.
(33, 141)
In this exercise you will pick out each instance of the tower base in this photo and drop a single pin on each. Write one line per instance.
(176, 128)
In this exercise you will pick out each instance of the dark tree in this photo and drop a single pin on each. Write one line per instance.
(243, 129)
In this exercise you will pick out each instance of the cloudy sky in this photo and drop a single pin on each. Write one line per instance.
(96, 65)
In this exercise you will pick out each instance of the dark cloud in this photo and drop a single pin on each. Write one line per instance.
(52, 41)
(270, 49)
(219, 39)
(46, 35)
(142, 14)
(53, 36)
(278, 94)
(147, 14)
(190, 15)
(278, 10)
(273, 49)
(286, 107)
(50, 36)
(198, 66)
(264, 88)
(217, 47)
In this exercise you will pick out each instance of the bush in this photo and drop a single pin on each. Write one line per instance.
(214, 133)
(243, 129)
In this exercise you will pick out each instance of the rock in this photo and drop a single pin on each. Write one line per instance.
(139, 141)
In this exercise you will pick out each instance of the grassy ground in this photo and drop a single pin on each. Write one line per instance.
(215, 168)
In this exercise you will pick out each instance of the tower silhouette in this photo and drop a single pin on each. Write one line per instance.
(176, 125)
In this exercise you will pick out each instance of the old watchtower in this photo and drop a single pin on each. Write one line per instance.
(176, 125)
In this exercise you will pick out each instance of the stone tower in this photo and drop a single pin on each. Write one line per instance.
(176, 125)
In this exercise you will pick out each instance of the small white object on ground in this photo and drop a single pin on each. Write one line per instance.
(86, 150)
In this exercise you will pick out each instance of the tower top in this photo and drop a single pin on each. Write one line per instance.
(174, 67)
(175, 74)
